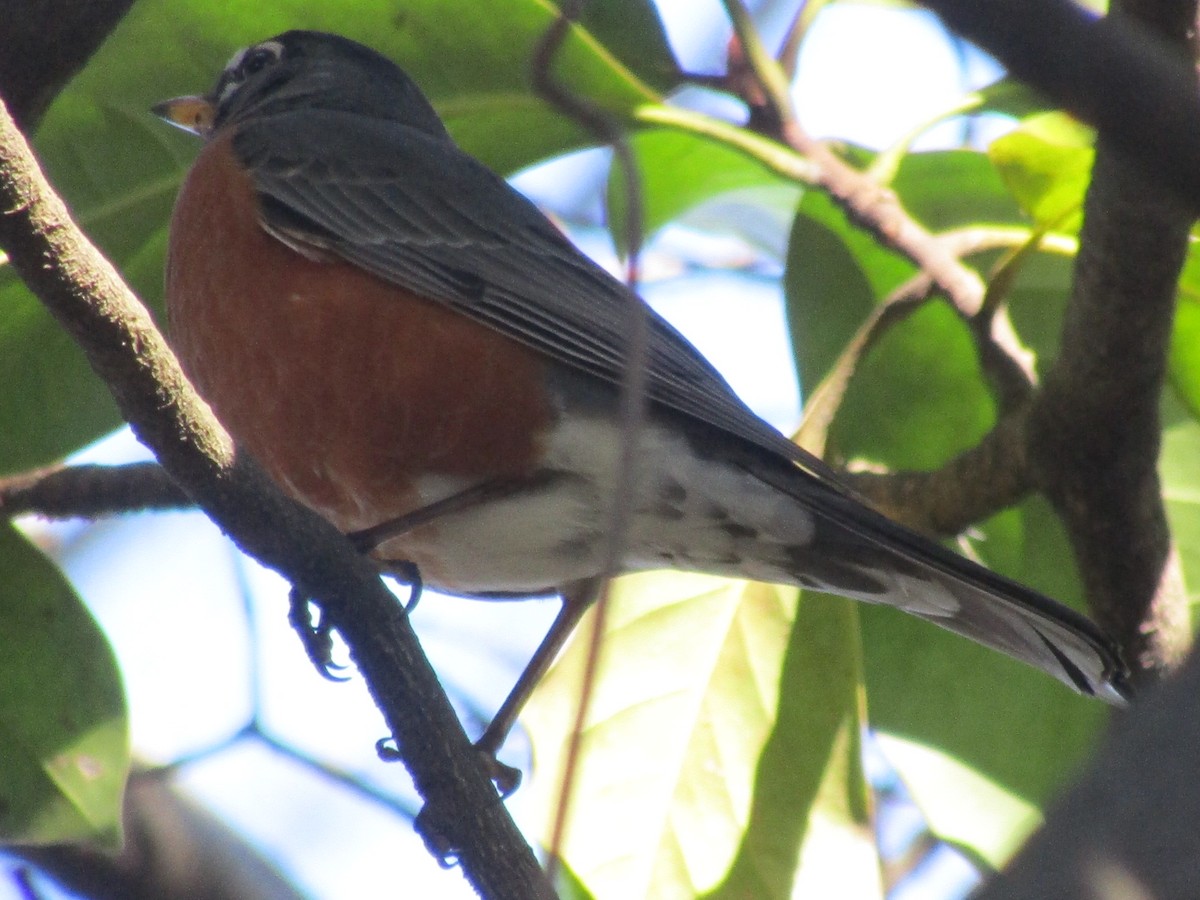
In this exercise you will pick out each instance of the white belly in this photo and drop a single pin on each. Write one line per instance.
(687, 513)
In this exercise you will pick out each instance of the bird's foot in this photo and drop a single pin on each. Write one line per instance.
(317, 637)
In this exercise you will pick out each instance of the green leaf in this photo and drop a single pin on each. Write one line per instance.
(1009, 97)
(119, 168)
(836, 272)
(960, 804)
(812, 763)
(680, 171)
(119, 172)
(568, 887)
(633, 32)
(1003, 97)
(1185, 338)
(1037, 300)
(722, 738)
(917, 398)
(477, 72)
(1181, 491)
(834, 275)
(954, 189)
(63, 724)
(1047, 165)
(985, 741)
(51, 403)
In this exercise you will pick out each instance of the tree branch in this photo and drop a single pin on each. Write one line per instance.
(1136, 88)
(1095, 429)
(87, 297)
(990, 476)
(86, 491)
(53, 40)
(1127, 828)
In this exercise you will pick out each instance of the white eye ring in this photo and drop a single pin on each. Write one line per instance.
(247, 62)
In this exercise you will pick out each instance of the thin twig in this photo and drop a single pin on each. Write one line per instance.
(632, 398)
(90, 491)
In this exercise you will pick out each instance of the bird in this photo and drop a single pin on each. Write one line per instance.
(411, 348)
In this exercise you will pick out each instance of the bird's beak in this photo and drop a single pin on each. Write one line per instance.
(194, 113)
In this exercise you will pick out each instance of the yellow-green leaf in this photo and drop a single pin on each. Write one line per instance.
(722, 741)
(1047, 165)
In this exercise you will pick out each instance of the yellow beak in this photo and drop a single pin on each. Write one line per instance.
(194, 113)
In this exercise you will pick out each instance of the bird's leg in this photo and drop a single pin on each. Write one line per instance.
(575, 601)
(369, 539)
(316, 636)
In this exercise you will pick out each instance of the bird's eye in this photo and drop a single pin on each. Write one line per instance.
(244, 65)
(258, 58)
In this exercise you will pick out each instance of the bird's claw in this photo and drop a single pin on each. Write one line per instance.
(408, 573)
(317, 637)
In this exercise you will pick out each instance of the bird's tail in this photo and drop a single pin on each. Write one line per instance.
(854, 551)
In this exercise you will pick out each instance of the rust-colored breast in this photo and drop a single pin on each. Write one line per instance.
(344, 386)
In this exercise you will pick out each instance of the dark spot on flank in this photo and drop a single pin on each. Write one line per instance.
(738, 531)
(667, 513)
(673, 493)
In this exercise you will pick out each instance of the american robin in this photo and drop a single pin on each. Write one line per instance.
(412, 349)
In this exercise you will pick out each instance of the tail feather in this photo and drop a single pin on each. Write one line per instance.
(857, 552)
